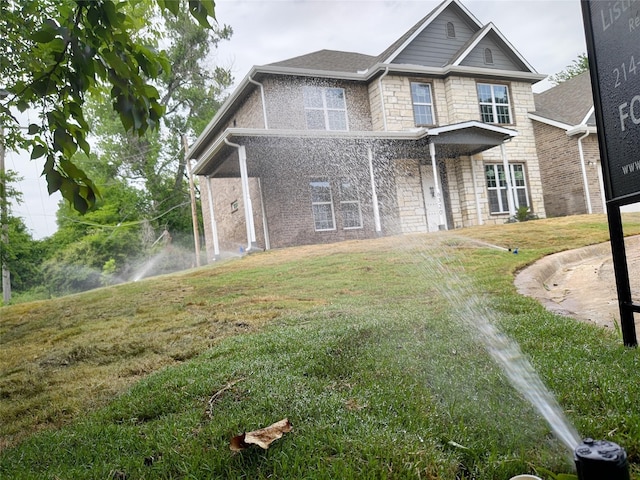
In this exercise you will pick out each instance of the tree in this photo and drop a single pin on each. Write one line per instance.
(578, 66)
(57, 51)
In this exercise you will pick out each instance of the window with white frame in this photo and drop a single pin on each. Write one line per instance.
(422, 103)
(494, 103)
(497, 187)
(350, 205)
(325, 108)
(322, 205)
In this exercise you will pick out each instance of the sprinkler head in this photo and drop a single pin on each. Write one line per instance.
(600, 459)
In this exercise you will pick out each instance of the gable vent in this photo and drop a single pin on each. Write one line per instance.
(451, 30)
(488, 56)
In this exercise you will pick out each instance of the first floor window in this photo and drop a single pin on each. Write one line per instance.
(325, 108)
(494, 103)
(322, 205)
(350, 205)
(497, 187)
(422, 103)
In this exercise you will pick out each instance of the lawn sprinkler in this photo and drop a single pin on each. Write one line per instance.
(600, 460)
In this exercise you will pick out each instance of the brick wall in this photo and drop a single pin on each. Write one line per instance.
(561, 171)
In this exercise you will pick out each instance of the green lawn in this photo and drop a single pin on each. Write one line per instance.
(369, 348)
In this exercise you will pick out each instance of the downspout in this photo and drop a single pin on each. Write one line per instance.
(264, 105)
(246, 197)
(214, 226)
(384, 114)
(603, 198)
(584, 172)
(442, 223)
(265, 226)
(374, 195)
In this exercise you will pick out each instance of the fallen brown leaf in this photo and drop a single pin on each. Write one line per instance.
(262, 437)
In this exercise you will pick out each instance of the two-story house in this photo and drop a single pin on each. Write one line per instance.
(431, 134)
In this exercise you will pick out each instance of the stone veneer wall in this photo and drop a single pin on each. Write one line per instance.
(456, 100)
(411, 210)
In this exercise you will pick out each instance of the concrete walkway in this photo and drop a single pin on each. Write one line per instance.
(581, 283)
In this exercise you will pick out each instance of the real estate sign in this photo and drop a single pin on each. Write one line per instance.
(612, 31)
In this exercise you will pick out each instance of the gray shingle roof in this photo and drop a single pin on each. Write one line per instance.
(330, 60)
(567, 102)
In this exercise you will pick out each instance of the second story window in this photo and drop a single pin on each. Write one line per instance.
(422, 103)
(325, 108)
(494, 103)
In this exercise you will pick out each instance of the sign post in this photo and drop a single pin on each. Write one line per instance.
(612, 30)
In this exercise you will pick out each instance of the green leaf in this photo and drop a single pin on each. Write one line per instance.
(172, 5)
(38, 151)
(200, 10)
(44, 35)
(33, 129)
(64, 142)
(54, 181)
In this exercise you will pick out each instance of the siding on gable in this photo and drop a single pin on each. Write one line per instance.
(432, 47)
(501, 61)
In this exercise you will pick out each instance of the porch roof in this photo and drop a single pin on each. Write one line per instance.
(454, 140)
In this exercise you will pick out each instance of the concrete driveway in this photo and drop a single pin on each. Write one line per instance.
(581, 283)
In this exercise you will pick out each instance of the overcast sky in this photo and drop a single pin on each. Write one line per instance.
(548, 34)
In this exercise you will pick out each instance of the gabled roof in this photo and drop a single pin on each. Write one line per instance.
(329, 60)
(568, 104)
(405, 40)
(487, 31)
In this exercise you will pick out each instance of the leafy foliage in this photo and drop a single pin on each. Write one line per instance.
(578, 66)
(57, 52)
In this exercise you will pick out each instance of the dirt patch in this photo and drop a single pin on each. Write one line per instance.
(581, 283)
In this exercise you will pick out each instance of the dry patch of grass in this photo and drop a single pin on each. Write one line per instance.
(64, 357)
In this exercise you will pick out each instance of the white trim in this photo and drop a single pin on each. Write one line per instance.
(548, 121)
(473, 124)
(586, 117)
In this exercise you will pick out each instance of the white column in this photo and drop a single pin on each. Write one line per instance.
(475, 190)
(507, 177)
(246, 197)
(374, 195)
(212, 219)
(442, 222)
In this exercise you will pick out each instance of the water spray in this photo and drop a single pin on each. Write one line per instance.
(600, 460)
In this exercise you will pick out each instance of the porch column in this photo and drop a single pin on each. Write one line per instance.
(212, 219)
(442, 223)
(476, 193)
(374, 195)
(507, 176)
(246, 197)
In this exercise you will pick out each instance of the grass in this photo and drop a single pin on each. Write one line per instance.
(357, 343)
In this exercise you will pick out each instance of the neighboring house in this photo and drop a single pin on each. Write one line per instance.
(334, 146)
(566, 138)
